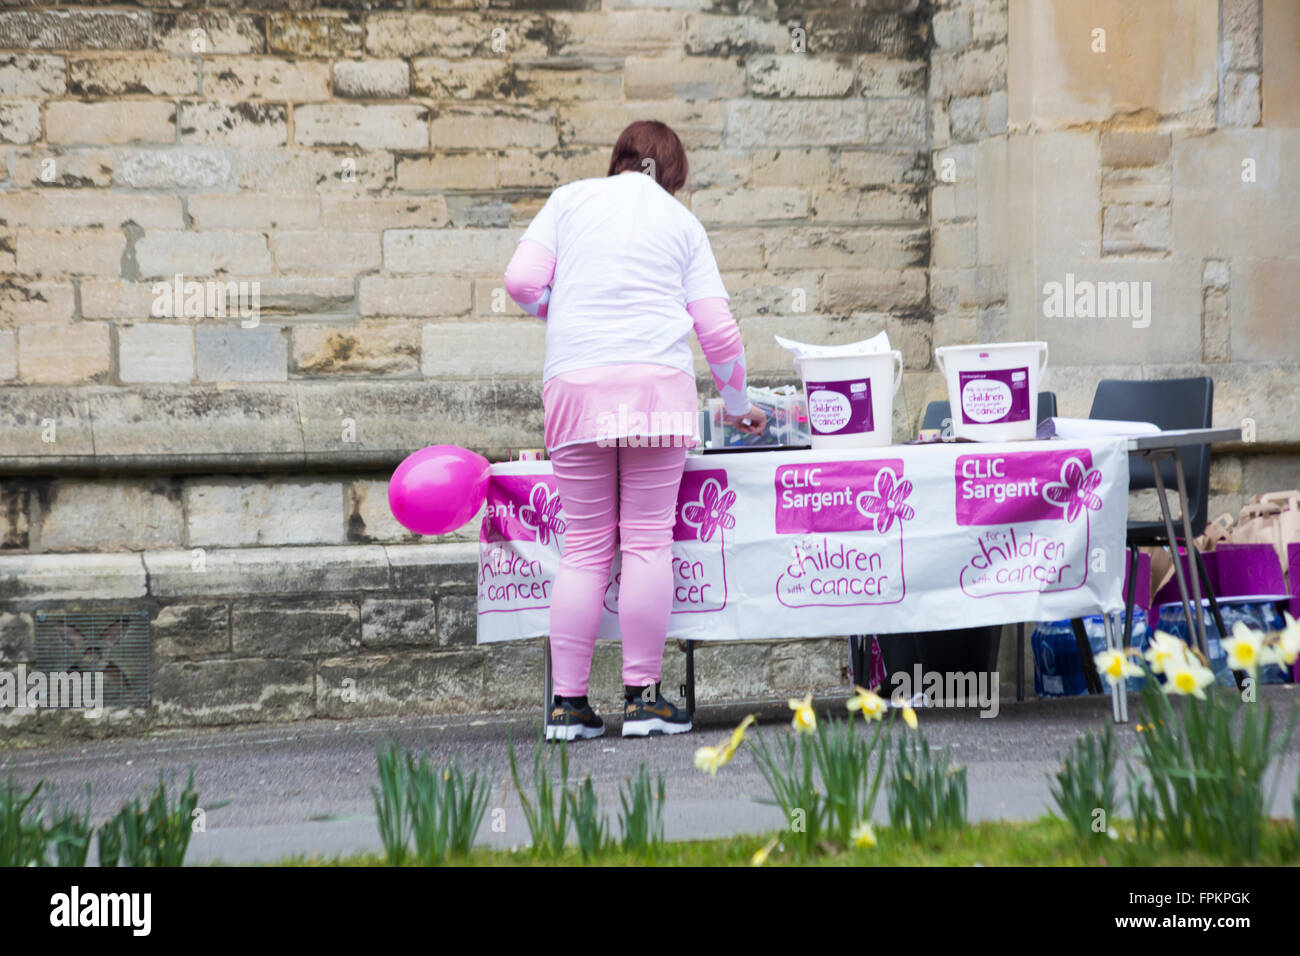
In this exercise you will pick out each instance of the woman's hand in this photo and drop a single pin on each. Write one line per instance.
(751, 423)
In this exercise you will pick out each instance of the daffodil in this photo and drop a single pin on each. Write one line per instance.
(709, 759)
(871, 705)
(760, 856)
(1188, 676)
(909, 715)
(805, 720)
(1288, 640)
(1116, 666)
(863, 836)
(1244, 648)
(1164, 649)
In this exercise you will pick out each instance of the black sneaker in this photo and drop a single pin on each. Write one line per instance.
(647, 712)
(568, 721)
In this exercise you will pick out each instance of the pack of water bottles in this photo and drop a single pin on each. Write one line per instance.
(787, 420)
(1058, 671)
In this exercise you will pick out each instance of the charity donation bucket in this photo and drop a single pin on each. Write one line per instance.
(993, 389)
(851, 398)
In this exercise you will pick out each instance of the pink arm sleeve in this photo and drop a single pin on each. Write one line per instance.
(719, 337)
(529, 275)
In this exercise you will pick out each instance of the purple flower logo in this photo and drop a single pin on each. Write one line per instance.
(542, 513)
(1074, 492)
(711, 512)
(887, 502)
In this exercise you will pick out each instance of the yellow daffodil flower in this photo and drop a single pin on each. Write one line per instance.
(805, 720)
(1164, 649)
(909, 716)
(1288, 640)
(863, 836)
(760, 856)
(1116, 666)
(709, 759)
(1188, 677)
(872, 705)
(1244, 648)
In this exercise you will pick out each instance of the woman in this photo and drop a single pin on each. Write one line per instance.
(621, 272)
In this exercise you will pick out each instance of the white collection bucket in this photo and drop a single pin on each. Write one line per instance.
(851, 398)
(993, 389)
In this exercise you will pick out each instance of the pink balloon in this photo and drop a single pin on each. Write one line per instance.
(438, 489)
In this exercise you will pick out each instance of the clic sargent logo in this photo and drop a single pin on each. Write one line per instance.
(109, 910)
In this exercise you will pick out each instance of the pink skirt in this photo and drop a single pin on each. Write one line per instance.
(629, 404)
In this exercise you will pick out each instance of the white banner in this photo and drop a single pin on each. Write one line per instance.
(825, 543)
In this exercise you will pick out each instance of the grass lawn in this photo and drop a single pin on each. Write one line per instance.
(1043, 842)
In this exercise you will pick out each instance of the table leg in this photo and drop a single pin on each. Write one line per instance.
(1194, 624)
(1119, 690)
(690, 679)
(1193, 566)
(547, 686)
(1130, 596)
(1020, 661)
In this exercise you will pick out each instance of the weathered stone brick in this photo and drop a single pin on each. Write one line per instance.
(896, 122)
(455, 35)
(26, 300)
(462, 79)
(749, 205)
(883, 167)
(416, 296)
(1144, 186)
(450, 171)
(147, 73)
(369, 347)
(63, 168)
(116, 515)
(372, 79)
(311, 170)
(1134, 148)
(875, 289)
(239, 691)
(266, 78)
(163, 253)
(458, 350)
(73, 29)
(1135, 228)
(951, 28)
(328, 253)
(520, 167)
(617, 33)
(547, 81)
(188, 167)
(67, 121)
(20, 122)
(234, 124)
(35, 75)
(808, 247)
(445, 682)
(323, 34)
(879, 204)
(399, 622)
(797, 74)
(206, 33)
(155, 352)
(1240, 32)
(70, 252)
(753, 124)
(885, 76)
(295, 630)
(720, 36)
(478, 127)
(347, 124)
(231, 513)
(235, 354)
(8, 369)
(253, 210)
(191, 630)
(63, 354)
(454, 251)
(1240, 105)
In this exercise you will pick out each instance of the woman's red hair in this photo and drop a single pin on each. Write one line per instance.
(649, 146)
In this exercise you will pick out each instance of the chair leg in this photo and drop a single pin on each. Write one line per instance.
(1215, 613)
(1090, 676)
(690, 679)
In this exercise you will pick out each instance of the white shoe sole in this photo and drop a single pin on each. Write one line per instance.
(644, 728)
(572, 731)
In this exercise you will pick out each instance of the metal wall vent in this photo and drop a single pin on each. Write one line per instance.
(114, 643)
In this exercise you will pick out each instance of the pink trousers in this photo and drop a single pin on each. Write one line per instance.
(624, 496)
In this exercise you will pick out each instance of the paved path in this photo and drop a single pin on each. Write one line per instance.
(305, 787)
